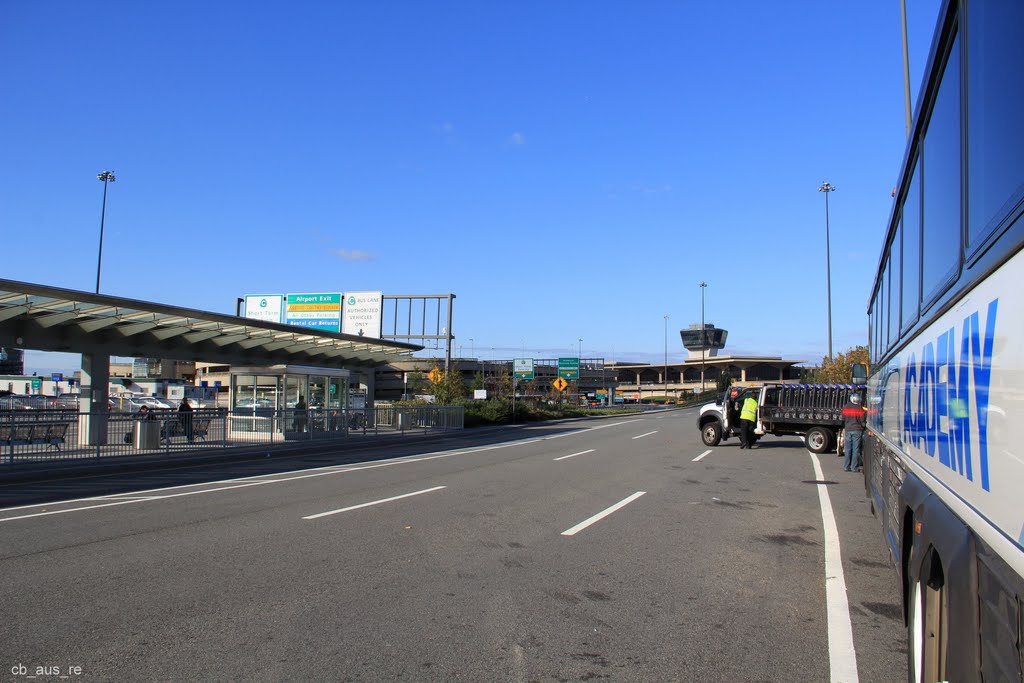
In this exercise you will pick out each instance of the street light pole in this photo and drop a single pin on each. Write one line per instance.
(703, 335)
(106, 177)
(579, 380)
(826, 188)
(666, 355)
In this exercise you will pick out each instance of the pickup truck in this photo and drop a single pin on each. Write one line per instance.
(813, 411)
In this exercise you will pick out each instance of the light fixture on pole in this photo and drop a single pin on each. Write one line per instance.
(106, 177)
(703, 335)
(826, 188)
(666, 355)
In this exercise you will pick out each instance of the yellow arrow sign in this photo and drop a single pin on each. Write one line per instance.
(560, 384)
(435, 375)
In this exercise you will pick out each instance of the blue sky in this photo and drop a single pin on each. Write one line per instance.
(569, 170)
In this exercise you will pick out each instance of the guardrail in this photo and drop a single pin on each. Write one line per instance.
(34, 436)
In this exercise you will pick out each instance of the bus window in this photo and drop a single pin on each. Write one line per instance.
(911, 290)
(940, 252)
(995, 138)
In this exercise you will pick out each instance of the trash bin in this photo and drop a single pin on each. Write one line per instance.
(404, 420)
(147, 434)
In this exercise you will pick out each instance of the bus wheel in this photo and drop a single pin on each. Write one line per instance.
(818, 440)
(926, 630)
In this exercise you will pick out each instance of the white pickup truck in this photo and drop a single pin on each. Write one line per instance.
(814, 411)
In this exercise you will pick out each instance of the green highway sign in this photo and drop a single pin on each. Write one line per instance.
(522, 368)
(569, 368)
(37, 383)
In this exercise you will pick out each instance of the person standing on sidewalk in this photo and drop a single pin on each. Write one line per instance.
(854, 423)
(748, 416)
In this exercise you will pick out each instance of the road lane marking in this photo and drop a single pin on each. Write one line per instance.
(842, 656)
(613, 424)
(268, 478)
(575, 454)
(60, 512)
(701, 455)
(647, 434)
(374, 502)
(601, 515)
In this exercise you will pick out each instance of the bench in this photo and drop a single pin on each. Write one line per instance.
(173, 428)
(50, 434)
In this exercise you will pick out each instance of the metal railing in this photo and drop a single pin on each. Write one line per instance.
(34, 436)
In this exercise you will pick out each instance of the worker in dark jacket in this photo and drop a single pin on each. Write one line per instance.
(748, 416)
(185, 418)
(854, 423)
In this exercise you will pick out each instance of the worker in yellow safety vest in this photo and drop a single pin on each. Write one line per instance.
(748, 416)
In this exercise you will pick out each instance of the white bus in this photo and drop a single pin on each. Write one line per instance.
(944, 464)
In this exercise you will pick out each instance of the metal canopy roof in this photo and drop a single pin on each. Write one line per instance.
(51, 319)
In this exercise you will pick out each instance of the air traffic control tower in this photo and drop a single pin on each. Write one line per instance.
(713, 340)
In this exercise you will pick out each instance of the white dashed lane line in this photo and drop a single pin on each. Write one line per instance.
(575, 454)
(601, 515)
(373, 502)
(699, 457)
(647, 434)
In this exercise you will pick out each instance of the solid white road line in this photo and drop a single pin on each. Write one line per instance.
(575, 454)
(601, 515)
(375, 502)
(701, 455)
(61, 512)
(647, 434)
(842, 656)
(258, 479)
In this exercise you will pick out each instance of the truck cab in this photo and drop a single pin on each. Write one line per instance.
(720, 420)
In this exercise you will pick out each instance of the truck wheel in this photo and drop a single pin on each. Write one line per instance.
(818, 440)
(711, 433)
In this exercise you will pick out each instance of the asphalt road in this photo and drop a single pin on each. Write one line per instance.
(485, 559)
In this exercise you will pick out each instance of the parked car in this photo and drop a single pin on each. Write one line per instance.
(12, 402)
(68, 401)
(37, 401)
(152, 401)
(197, 403)
(129, 404)
(254, 403)
(162, 403)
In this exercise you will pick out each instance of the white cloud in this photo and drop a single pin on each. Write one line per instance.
(353, 254)
(646, 188)
(446, 131)
(517, 138)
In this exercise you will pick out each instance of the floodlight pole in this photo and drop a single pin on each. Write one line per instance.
(579, 370)
(826, 188)
(666, 355)
(703, 335)
(106, 177)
